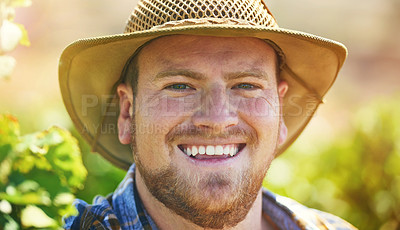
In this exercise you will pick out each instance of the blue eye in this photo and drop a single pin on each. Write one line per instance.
(245, 86)
(178, 87)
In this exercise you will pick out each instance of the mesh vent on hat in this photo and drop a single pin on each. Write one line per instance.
(151, 13)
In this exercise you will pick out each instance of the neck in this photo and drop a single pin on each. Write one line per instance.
(166, 219)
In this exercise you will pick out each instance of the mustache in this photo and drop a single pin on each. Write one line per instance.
(193, 132)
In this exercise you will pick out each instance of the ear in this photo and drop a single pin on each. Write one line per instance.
(282, 89)
(125, 113)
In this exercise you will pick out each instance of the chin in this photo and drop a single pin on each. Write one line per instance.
(209, 200)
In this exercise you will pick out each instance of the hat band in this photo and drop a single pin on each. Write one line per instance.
(208, 21)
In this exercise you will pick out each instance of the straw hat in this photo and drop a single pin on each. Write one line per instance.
(89, 68)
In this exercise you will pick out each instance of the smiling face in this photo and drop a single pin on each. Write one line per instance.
(206, 124)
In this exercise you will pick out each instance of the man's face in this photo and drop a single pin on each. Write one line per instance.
(206, 124)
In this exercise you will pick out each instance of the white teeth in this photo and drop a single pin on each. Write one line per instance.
(210, 150)
(202, 150)
(194, 151)
(230, 149)
(226, 150)
(219, 150)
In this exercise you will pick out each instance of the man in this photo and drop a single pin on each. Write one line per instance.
(209, 93)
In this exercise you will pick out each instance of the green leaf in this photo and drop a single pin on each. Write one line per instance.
(39, 197)
(8, 222)
(9, 137)
(4, 151)
(43, 169)
(9, 130)
(49, 181)
(65, 157)
(32, 216)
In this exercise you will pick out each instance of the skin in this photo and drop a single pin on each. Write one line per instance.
(215, 86)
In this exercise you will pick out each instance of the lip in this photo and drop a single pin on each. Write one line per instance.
(214, 141)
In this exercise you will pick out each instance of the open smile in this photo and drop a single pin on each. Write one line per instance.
(204, 152)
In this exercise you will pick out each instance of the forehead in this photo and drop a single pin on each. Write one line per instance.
(181, 51)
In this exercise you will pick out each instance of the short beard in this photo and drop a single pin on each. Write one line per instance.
(177, 193)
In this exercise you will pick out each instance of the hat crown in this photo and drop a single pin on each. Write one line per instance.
(166, 13)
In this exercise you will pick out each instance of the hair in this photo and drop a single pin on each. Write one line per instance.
(130, 73)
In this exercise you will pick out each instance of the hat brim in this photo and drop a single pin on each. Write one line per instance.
(89, 68)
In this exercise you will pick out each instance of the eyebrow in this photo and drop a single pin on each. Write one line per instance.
(252, 73)
(179, 72)
(198, 76)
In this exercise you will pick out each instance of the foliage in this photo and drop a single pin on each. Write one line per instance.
(39, 173)
(356, 176)
(103, 178)
(11, 34)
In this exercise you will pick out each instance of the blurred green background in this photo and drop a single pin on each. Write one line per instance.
(347, 161)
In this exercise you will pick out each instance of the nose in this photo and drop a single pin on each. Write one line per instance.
(215, 113)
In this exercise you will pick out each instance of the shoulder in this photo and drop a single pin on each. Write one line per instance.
(332, 221)
(288, 212)
(100, 215)
(122, 209)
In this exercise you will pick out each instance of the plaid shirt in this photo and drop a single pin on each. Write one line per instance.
(124, 210)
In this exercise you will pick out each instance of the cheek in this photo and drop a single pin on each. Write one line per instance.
(169, 108)
(163, 113)
(151, 127)
(166, 108)
(263, 115)
(261, 109)
(154, 118)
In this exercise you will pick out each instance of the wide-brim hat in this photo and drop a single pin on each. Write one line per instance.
(90, 68)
